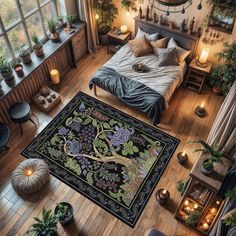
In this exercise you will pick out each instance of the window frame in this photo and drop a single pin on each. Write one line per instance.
(22, 20)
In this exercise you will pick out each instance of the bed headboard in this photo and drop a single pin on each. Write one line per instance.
(184, 40)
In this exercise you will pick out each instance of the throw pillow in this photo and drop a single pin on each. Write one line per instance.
(140, 46)
(167, 57)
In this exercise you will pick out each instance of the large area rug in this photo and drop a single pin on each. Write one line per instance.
(108, 156)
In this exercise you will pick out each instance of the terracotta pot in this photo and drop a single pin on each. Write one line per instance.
(18, 68)
(8, 76)
(27, 59)
(54, 35)
(38, 51)
(216, 90)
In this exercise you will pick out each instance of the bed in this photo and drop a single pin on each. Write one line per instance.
(148, 92)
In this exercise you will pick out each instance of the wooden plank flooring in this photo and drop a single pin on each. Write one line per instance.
(16, 214)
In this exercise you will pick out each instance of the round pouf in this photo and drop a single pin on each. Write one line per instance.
(29, 176)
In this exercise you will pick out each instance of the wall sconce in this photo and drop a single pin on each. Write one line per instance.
(202, 61)
(55, 76)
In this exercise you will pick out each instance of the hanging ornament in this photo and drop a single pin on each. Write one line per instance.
(183, 10)
(167, 12)
(199, 6)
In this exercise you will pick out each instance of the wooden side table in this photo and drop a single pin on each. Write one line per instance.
(116, 41)
(201, 197)
(196, 75)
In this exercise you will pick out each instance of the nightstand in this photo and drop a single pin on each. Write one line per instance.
(116, 41)
(196, 75)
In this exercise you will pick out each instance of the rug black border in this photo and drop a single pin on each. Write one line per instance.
(73, 187)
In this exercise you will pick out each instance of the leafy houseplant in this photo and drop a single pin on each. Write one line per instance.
(129, 4)
(5, 69)
(215, 156)
(46, 226)
(223, 76)
(52, 27)
(65, 212)
(230, 220)
(107, 12)
(24, 55)
(181, 186)
(70, 19)
(193, 218)
(38, 47)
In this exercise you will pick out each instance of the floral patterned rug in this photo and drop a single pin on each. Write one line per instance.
(108, 156)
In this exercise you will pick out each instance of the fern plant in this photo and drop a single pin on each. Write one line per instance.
(181, 186)
(36, 41)
(231, 194)
(5, 66)
(193, 218)
(52, 26)
(230, 220)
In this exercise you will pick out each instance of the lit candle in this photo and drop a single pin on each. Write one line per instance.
(202, 105)
(183, 154)
(213, 211)
(28, 172)
(128, 13)
(55, 76)
(209, 218)
(186, 202)
(96, 16)
(205, 226)
(195, 206)
(204, 55)
(163, 195)
(123, 29)
(218, 203)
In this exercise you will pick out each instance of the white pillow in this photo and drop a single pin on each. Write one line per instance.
(181, 52)
(149, 37)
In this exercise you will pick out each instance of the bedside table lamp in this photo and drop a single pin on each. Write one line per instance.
(123, 29)
(202, 61)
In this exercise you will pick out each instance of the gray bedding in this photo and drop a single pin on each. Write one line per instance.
(131, 92)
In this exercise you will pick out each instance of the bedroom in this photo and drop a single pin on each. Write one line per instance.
(104, 106)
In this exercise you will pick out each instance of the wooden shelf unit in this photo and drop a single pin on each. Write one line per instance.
(201, 195)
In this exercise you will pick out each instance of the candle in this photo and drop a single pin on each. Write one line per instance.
(202, 105)
(213, 211)
(195, 206)
(123, 29)
(28, 172)
(182, 157)
(218, 203)
(162, 195)
(205, 226)
(55, 76)
(209, 218)
(186, 203)
(204, 55)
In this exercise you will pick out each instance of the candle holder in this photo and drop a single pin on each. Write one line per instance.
(162, 196)
(182, 157)
(200, 111)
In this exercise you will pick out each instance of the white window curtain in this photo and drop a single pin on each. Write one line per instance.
(86, 13)
(223, 131)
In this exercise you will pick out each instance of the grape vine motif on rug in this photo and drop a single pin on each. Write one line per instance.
(109, 160)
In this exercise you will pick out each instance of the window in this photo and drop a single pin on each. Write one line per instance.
(19, 19)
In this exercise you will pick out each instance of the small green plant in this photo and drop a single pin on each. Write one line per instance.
(52, 26)
(23, 51)
(63, 211)
(181, 186)
(36, 41)
(5, 66)
(230, 220)
(193, 218)
(231, 193)
(129, 4)
(71, 18)
(214, 152)
(45, 226)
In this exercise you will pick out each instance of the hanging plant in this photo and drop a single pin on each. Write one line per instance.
(129, 4)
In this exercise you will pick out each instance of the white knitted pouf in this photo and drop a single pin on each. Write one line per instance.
(29, 176)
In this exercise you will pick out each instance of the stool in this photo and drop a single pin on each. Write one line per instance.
(4, 136)
(29, 176)
(20, 113)
(154, 232)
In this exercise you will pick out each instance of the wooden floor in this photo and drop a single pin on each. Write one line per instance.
(16, 214)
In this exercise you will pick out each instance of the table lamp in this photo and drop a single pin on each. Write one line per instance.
(202, 61)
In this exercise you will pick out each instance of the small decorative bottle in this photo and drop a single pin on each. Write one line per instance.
(155, 17)
(183, 26)
(147, 13)
(140, 13)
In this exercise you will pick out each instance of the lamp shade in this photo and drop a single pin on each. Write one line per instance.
(55, 78)
(123, 29)
(204, 55)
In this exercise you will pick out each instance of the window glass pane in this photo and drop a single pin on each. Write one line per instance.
(47, 12)
(34, 25)
(3, 48)
(42, 1)
(17, 38)
(8, 12)
(28, 6)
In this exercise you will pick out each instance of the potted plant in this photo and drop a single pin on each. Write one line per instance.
(70, 19)
(65, 212)
(223, 76)
(181, 186)
(46, 226)
(215, 156)
(38, 47)
(6, 70)
(60, 22)
(18, 68)
(193, 218)
(52, 27)
(25, 55)
(106, 12)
